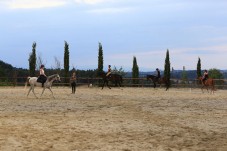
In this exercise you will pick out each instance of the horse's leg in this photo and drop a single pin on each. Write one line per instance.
(104, 81)
(213, 88)
(202, 88)
(29, 90)
(108, 84)
(33, 87)
(51, 92)
(42, 91)
(206, 85)
(207, 88)
(210, 89)
(154, 84)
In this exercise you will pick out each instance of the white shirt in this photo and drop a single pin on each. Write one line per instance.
(41, 72)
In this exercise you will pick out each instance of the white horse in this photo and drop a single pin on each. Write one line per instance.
(33, 82)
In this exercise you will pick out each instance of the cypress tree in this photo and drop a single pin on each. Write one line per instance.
(100, 59)
(135, 71)
(167, 66)
(66, 60)
(32, 60)
(184, 75)
(199, 74)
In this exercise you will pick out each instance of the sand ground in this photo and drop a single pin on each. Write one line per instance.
(128, 119)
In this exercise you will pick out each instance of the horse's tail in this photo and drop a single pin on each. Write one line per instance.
(26, 83)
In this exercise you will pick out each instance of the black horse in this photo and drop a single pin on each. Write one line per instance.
(160, 81)
(115, 78)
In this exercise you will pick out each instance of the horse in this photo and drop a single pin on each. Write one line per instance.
(116, 78)
(162, 80)
(33, 82)
(208, 83)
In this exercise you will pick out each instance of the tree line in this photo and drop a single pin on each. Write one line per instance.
(7, 70)
(135, 68)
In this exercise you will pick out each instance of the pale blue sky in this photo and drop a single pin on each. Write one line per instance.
(141, 28)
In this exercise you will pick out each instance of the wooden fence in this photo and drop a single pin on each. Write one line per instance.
(127, 82)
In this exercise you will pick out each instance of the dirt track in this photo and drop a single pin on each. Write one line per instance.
(132, 119)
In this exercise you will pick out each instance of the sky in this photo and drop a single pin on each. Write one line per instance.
(189, 29)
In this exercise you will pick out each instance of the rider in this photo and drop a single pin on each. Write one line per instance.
(158, 74)
(109, 71)
(205, 76)
(42, 76)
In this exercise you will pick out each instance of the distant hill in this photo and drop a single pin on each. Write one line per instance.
(5, 65)
(5, 69)
(176, 74)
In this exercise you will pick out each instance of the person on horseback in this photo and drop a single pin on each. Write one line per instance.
(109, 71)
(42, 77)
(205, 76)
(158, 74)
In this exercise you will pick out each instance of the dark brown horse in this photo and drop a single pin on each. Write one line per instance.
(115, 78)
(208, 83)
(160, 81)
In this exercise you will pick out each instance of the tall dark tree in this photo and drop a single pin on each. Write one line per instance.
(167, 66)
(100, 58)
(135, 71)
(199, 74)
(184, 75)
(32, 60)
(66, 61)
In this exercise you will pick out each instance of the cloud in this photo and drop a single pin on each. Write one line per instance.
(92, 2)
(110, 10)
(212, 57)
(211, 50)
(33, 4)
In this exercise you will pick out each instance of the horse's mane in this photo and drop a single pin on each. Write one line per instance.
(151, 76)
(49, 78)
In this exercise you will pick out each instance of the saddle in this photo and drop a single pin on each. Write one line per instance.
(41, 79)
(109, 76)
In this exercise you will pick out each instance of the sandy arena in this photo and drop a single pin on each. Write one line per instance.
(128, 119)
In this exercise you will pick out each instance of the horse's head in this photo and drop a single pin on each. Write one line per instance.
(58, 78)
(54, 77)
